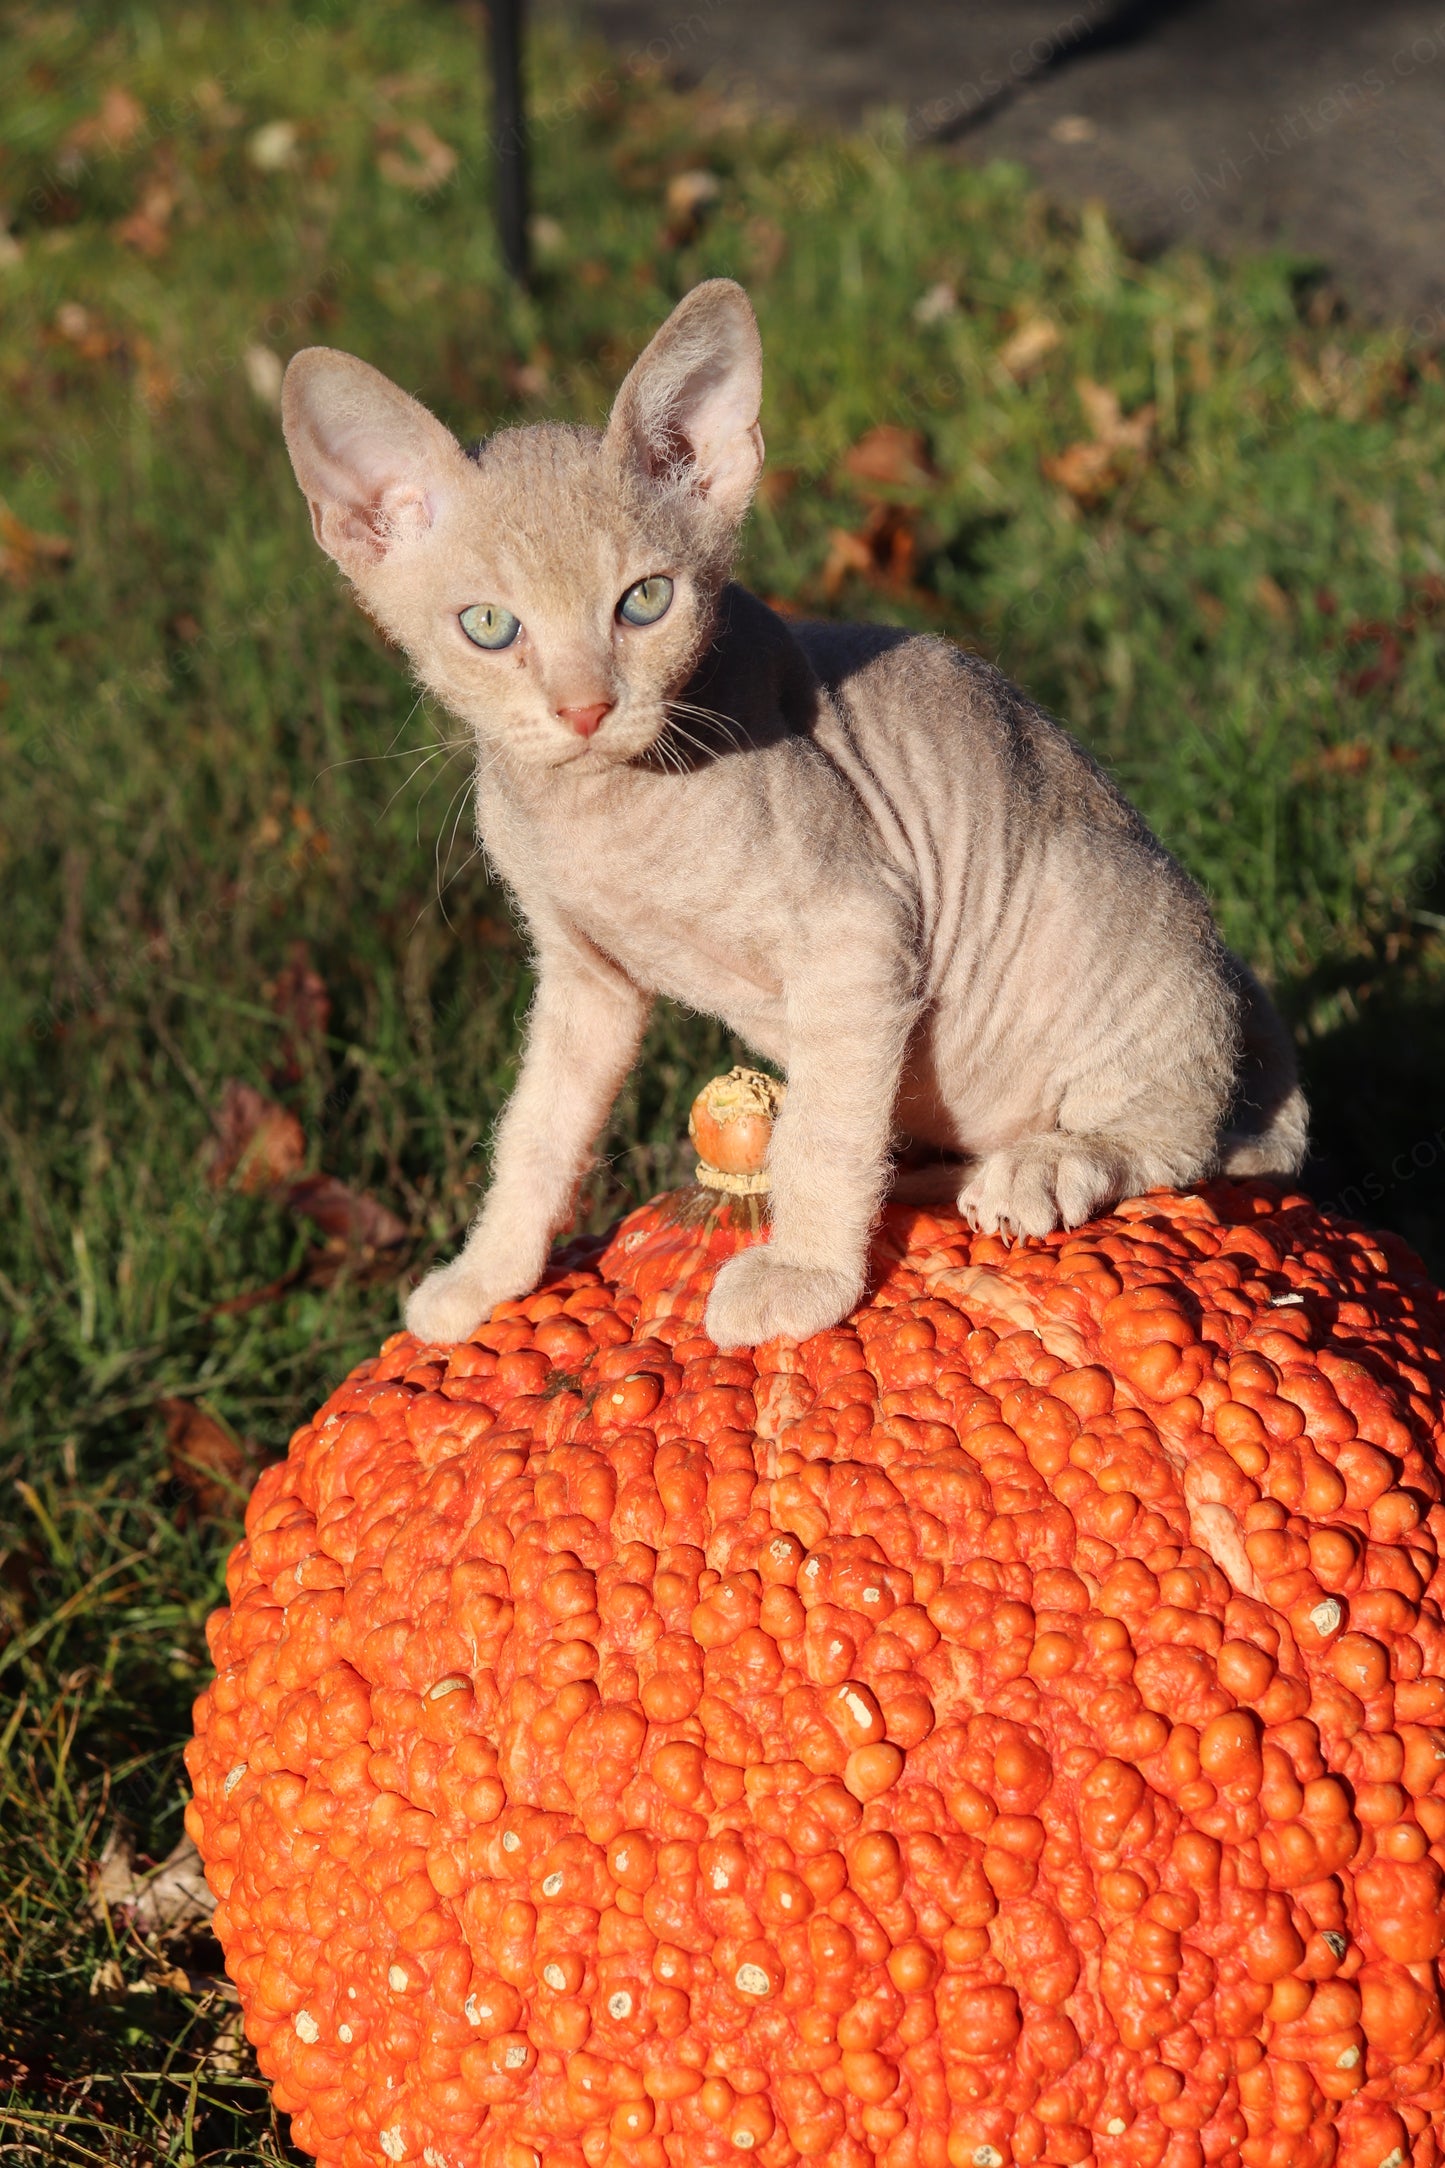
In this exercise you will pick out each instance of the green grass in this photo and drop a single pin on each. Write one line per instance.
(206, 758)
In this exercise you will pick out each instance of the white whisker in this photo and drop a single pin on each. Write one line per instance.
(450, 820)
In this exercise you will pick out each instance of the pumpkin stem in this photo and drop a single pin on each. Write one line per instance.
(731, 1124)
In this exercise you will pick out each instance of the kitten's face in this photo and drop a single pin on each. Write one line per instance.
(553, 604)
(557, 589)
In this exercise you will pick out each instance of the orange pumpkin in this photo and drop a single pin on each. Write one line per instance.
(1007, 1728)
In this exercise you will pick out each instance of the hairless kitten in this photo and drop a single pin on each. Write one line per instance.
(884, 867)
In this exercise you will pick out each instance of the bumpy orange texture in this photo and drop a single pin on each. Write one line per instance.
(1007, 1728)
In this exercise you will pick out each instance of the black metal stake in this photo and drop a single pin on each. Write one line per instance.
(510, 128)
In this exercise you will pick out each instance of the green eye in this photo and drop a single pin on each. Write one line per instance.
(487, 624)
(645, 603)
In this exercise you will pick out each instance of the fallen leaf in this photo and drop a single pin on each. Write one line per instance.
(147, 229)
(24, 551)
(1379, 675)
(80, 329)
(1108, 421)
(107, 1982)
(688, 199)
(229, 2052)
(1087, 471)
(430, 163)
(257, 1141)
(1349, 759)
(1023, 349)
(113, 1878)
(163, 1900)
(273, 146)
(346, 1215)
(940, 300)
(217, 1468)
(1273, 598)
(527, 379)
(299, 996)
(547, 234)
(884, 549)
(1346, 759)
(173, 1897)
(847, 552)
(113, 127)
(1090, 469)
(255, 1298)
(155, 382)
(298, 993)
(264, 371)
(891, 457)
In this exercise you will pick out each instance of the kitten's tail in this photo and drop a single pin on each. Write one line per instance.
(1268, 1127)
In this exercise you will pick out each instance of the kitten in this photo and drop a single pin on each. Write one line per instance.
(878, 862)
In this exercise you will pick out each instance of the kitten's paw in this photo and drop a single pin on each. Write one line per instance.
(758, 1297)
(1041, 1183)
(452, 1301)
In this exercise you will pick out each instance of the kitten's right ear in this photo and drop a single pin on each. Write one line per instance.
(373, 464)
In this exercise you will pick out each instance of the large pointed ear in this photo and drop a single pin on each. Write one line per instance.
(688, 410)
(373, 464)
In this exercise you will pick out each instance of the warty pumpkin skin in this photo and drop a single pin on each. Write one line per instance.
(1007, 1728)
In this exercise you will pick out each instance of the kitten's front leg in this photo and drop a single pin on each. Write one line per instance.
(849, 1024)
(582, 1038)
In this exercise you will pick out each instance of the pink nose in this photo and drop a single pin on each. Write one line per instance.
(585, 720)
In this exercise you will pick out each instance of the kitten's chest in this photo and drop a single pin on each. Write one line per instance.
(675, 913)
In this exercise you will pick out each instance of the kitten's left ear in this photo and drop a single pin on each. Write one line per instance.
(688, 409)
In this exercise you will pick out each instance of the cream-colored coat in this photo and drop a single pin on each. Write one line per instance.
(885, 868)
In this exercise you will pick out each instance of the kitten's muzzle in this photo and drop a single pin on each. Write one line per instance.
(586, 721)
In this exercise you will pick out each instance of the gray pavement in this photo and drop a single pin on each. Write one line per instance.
(1313, 125)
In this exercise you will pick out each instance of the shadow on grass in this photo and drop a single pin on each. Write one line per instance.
(1379, 1120)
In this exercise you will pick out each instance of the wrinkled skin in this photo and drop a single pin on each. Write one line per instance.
(1004, 1728)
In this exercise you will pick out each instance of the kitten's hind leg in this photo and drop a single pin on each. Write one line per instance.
(1057, 1179)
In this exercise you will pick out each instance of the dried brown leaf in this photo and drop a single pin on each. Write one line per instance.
(1087, 471)
(147, 228)
(299, 995)
(91, 339)
(346, 1215)
(884, 549)
(890, 457)
(1273, 599)
(113, 127)
(1033, 341)
(216, 1467)
(687, 199)
(257, 1141)
(165, 1900)
(425, 162)
(24, 551)
(1091, 469)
